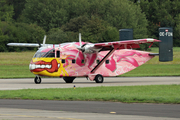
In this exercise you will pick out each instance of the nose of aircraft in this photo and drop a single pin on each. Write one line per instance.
(44, 64)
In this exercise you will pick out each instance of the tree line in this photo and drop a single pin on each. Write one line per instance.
(98, 20)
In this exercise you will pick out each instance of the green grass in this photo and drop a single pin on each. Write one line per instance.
(16, 65)
(154, 70)
(15, 71)
(16, 58)
(126, 94)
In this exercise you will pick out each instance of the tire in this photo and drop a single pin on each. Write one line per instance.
(37, 80)
(69, 79)
(99, 78)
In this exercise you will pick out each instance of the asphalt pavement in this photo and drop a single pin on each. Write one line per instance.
(85, 110)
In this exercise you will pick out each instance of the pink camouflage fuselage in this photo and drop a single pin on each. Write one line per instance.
(72, 62)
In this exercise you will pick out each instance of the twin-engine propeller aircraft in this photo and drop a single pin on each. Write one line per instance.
(83, 59)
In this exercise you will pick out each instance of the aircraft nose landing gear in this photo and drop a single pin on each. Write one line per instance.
(37, 80)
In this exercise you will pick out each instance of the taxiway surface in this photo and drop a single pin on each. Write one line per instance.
(28, 83)
(85, 110)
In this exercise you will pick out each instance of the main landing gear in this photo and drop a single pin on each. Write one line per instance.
(69, 79)
(37, 80)
(99, 78)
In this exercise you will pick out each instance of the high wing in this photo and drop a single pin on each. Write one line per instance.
(129, 44)
(30, 44)
(112, 46)
(23, 44)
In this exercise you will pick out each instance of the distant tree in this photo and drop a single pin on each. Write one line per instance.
(97, 30)
(161, 13)
(75, 24)
(121, 14)
(6, 11)
(53, 14)
(45, 13)
(18, 6)
(3, 39)
(56, 36)
(93, 29)
(19, 32)
(177, 31)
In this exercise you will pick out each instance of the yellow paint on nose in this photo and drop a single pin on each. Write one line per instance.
(61, 71)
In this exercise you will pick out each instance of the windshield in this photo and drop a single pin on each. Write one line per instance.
(50, 53)
(39, 54)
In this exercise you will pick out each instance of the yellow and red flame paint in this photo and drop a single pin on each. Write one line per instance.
(58, 67)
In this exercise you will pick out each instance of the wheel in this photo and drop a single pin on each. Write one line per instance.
(99, 78)
(37, 80)
(69, 79)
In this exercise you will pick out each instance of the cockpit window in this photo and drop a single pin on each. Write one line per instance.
(50, 53)
(39, 54)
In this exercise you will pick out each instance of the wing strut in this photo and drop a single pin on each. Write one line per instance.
(105, 58)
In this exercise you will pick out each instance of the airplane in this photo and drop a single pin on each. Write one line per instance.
(83, 59)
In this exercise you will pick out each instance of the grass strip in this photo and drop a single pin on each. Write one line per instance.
(154, 70)
(15, 71)
(127, 94)
(16, 65)
(22, 71)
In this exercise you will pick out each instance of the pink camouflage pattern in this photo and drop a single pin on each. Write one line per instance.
(120, 61)
(120, 55)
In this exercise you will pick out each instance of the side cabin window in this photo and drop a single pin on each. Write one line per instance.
(58, 54)
(63, 60)
(82, 61)
(97, 61)
(73, 61)
(107, 61)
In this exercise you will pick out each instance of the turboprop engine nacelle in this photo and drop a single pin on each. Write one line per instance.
(88, 48)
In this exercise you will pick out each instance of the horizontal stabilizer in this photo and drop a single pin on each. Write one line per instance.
(154, 54)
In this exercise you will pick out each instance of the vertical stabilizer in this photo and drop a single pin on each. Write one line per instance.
(166, 44)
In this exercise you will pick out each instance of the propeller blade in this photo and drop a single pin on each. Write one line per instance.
(44, 40)
(80, 46)
(39, 43)
(80, 39)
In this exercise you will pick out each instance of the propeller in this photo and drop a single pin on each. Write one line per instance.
(44, 41)
(80, 39)
(85, 48)
(80, 47)
(39, 43)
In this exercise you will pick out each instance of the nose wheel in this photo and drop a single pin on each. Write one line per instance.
(37, 80)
